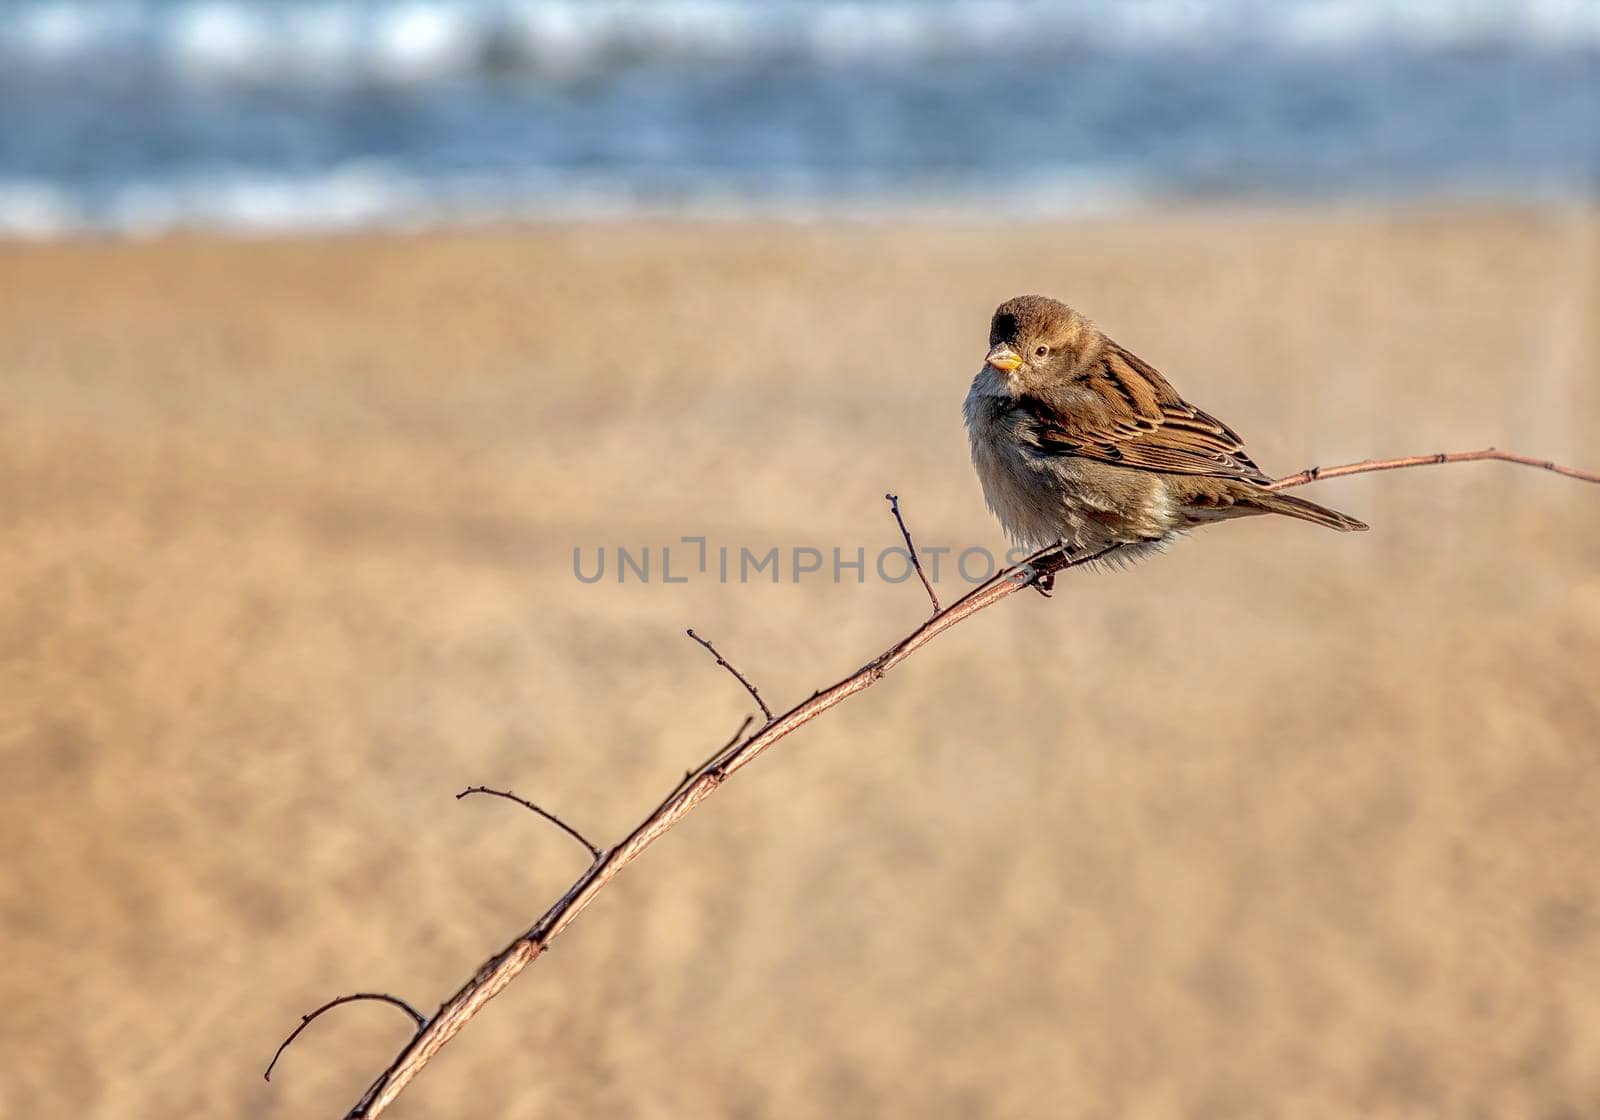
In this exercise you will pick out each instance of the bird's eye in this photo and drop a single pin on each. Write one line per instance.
(1041, 351)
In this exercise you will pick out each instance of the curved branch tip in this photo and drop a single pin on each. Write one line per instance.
(307, 1019)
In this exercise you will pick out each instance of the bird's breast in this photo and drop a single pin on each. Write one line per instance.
(1019, 485)
(1041, 498)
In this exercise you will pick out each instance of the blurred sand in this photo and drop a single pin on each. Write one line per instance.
(1282, 824)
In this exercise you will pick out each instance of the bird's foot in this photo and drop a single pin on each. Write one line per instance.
(1043, 583)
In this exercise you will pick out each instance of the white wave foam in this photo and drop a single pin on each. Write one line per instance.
(37, 211)
(374, 196)
(408, 41)
(364, 197)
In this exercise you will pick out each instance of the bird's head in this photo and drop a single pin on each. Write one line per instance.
(1035, 341)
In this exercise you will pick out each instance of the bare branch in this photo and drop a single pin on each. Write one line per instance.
(738, 676)
(306, 1020)
(526, 804)
(1314, 474)
(911, 549)
(503, 967)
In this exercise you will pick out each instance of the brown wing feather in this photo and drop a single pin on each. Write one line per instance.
(1145, 425)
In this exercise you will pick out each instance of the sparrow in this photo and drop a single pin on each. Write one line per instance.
(1079, 441)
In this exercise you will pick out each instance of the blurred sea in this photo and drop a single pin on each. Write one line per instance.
(268, 115)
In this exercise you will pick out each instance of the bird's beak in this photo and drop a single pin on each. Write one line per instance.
(1003, 358)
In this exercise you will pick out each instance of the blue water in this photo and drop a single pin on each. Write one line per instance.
(312, 114)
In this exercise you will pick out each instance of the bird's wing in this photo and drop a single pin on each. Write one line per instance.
(1143, 425)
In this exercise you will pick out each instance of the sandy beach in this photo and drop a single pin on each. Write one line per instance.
(1283, 823)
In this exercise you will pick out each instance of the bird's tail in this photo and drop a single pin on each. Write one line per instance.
(1291, 506)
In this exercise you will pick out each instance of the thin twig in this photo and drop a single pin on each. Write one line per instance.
(546, 814)
(1314, 474)
(738, 676)
(306, 1020)
(495, 973)
(710, 760)
(911, 549)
